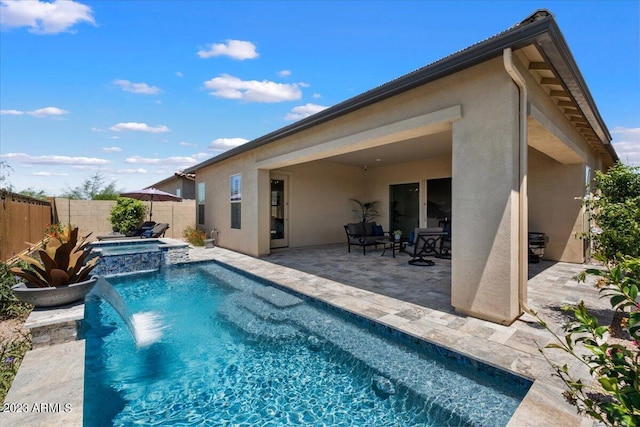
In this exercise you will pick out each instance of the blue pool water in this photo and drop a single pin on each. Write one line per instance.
(240, 352)
(116, 249)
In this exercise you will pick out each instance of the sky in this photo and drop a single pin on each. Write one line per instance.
(138, 90)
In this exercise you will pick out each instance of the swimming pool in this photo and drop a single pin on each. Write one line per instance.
(238, 351)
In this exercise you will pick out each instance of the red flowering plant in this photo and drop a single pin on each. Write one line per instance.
(53, 230)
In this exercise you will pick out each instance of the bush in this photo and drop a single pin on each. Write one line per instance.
(10, 306)
(11, 354)
(194, 236)
(616, 212)
(127, 214)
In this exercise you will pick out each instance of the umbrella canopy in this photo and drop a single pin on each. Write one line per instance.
(152, 194)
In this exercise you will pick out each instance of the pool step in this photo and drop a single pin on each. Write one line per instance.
(253, 325)
(276, 297)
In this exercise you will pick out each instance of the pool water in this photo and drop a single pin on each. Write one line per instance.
(128, 248)
(237, 351)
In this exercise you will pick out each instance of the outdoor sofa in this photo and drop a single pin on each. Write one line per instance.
(364, 234)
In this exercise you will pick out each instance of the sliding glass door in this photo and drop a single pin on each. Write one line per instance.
(404, 207)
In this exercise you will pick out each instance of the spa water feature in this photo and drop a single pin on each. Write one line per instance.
(145, 327)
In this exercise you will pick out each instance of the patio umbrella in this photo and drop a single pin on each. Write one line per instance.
(152, 194)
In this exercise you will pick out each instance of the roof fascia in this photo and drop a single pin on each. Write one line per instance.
(554, 48)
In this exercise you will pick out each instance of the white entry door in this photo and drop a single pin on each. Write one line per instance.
(279, 211)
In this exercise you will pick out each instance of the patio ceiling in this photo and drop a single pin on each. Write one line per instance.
(422, 147)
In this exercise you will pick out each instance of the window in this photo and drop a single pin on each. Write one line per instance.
(201, 203)
(235, 185)
(179, 192)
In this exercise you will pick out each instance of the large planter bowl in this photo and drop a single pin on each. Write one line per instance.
(51, 297)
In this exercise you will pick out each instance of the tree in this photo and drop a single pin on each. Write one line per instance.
(616, 211)
(127, 214)
(93, 188)
(36, 194)
(5, 171)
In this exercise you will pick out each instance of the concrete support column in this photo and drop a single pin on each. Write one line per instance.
(484, 276)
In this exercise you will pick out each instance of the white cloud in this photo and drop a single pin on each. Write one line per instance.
(224, 144)
(47, 111)
(201, 155)
(112, 149)
(139, 171)
(11, 112)
(114, 137)
(50, 174)
(139, 127)
(95, 129)
(44, 17)
(159, 161)
(236, 49)
(141, 88)
(317, 96)
(226, 86)
(284, 73)
(54, 160)
(179, 74)
(627, 144)
(187, 144)
(302, 111)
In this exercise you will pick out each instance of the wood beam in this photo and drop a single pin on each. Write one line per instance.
(550, 81)
(539, 66)
(559, 94)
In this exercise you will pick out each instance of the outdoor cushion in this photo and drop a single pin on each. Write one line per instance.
(368, 228)
(377, 230)
(355, 229)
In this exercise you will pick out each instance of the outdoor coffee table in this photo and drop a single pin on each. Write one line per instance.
(394, 245)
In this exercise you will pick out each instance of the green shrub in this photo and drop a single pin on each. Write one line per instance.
(194, 236)
(10, 306)
(615, 210)
(127, 214)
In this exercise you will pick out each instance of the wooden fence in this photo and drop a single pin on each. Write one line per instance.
(22, 219)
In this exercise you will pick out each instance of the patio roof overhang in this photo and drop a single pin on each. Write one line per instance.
(557, 71)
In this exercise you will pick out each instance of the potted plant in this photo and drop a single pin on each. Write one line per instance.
(61, 275)
(397, 234)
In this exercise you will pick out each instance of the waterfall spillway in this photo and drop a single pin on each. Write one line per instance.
(146, 328)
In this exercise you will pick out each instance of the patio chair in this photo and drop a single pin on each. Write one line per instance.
(427, 243)
(157, 231)
(364, 234)
(138, 232)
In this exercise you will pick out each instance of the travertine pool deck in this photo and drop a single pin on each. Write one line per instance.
(415, 300)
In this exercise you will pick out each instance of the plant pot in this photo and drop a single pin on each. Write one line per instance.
(53, 296)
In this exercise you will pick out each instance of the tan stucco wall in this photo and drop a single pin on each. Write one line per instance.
(480, 106)
(553, 208)
(93, 215)
(217, 203)
(319, 194)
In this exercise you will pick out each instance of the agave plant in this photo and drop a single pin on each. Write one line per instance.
(63, 261)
